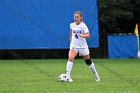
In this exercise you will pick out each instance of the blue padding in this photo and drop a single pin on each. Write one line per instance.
(122, 46)
(44, 24)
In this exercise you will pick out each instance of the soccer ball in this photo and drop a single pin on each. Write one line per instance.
(139, 54)
(63, 78)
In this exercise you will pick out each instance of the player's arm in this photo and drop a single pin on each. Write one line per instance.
(86, 35)
(86, 32)
(70, 35)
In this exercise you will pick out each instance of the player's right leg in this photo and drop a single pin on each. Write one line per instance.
(72, 55)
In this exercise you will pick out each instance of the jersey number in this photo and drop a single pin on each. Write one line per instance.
(76, 36)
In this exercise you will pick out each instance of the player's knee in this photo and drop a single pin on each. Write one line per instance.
(71, 59)
(88, 62)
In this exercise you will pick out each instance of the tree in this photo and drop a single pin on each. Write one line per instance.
(118, 16)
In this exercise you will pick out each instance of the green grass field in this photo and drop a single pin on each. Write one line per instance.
(40, 76)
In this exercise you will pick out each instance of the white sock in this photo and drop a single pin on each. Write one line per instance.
(93, 69)
(69, 67)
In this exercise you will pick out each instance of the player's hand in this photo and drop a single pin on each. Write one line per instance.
(81, 35)
(87, 35)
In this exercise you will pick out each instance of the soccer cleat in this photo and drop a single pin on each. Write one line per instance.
(69, 79)
(97, 78)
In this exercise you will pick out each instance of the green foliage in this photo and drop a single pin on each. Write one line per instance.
(120, 13)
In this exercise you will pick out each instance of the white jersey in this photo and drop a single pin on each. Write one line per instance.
(77, 41)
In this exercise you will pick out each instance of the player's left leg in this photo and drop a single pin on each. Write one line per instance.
(86, 57)
(91, 66)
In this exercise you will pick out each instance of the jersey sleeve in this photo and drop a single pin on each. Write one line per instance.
(71, 26)
(85, 29)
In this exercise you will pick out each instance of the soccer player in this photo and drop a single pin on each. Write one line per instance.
(78, 34)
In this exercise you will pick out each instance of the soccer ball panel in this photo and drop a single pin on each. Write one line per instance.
(63, 78)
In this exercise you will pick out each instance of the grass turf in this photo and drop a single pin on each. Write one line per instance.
(40, 76)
